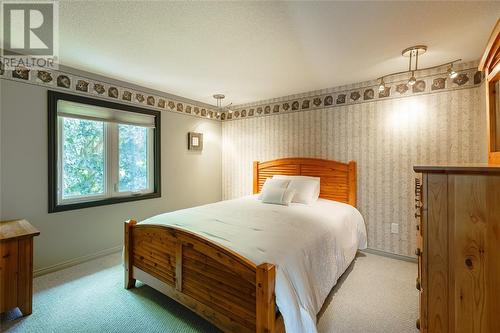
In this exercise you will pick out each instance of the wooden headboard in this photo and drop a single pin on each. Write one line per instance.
(338, 180)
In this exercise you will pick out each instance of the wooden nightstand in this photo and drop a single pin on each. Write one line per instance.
(16, 265)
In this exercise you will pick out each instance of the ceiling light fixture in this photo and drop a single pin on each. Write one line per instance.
(412, 79)
(451, 73)
(220, 108)
(414, 52)
(381, 87)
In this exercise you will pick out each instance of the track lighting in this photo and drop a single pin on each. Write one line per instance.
(220, 108)
(451, 73)
(412, 79)
(414, 53)
(381, 87)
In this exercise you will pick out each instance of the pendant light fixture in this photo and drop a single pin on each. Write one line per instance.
(220, 108)
(414, 52)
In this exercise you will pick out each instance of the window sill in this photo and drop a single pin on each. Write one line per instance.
(54, 208)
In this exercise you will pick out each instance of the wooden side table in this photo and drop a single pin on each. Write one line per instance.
(16, 265)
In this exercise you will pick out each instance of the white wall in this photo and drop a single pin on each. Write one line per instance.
(188, 178)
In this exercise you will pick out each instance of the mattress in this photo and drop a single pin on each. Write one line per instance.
(311, 245)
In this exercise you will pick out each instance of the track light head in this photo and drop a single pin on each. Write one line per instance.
(451, 73)
(381, 86)
(414, 53)
(412, 79)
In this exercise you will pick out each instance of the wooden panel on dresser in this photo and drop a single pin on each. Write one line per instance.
(493, 259)
(215, 282)
(460, 260)
(436, 253)
(477, 252)
(420, 215)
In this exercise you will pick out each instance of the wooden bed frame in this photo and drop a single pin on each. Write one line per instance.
(215, 282)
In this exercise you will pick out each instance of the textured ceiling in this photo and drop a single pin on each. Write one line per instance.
(258, 50)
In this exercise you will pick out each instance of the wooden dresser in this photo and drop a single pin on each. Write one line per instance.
(458, 248)
(16, 265)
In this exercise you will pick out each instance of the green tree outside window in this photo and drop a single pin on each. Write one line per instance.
(83, 157)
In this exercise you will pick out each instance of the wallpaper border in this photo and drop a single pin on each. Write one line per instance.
(365, 92)
(69, 82)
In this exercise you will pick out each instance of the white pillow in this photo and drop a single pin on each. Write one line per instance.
(306, 188)
(278, 196)
(276, 183)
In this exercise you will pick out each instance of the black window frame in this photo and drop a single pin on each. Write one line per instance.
(53, 97)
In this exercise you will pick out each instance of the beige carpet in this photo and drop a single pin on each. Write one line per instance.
(377, 294)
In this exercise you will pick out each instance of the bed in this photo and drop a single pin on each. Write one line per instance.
(247, 266)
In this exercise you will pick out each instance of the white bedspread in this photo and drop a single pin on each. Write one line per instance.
(311, 246)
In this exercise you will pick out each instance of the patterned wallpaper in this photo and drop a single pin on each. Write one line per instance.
(385, 136)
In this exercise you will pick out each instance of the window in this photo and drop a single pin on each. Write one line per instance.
(133, 150)
(83, 160)
(101, 152)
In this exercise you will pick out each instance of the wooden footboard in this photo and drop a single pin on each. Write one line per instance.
(218, 284)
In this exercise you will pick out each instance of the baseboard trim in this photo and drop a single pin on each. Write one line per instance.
(76, 261)
(390, 255)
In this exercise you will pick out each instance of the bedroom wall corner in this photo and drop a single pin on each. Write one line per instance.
(385, 137)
